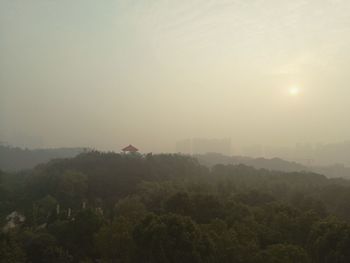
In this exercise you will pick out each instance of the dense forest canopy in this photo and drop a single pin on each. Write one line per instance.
(108, 207)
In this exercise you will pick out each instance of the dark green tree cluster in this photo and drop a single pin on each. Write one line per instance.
(106, 207)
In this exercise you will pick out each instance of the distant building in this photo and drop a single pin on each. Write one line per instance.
(130, 149)
(202, 146)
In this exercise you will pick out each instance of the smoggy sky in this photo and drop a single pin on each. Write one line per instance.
(108, 73)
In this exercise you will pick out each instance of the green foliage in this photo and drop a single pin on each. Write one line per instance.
(72, 188)
(82, 230)
(114, 242)
(43, 209)
(131, 208)
(42, 247)
(283, 253)
(11, 250)
(106, 207)
(169, 238)
(179, 203)
(330, 241)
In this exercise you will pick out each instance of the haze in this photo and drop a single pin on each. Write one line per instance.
(105, 74)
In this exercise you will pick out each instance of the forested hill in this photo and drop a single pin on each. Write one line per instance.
(16, 159)
(107, 207)
(276, 164)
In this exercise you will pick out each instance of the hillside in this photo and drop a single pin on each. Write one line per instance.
(107, 207)
(274, 164)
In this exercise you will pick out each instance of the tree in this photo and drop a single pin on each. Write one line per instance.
(11, 250)
(41, 247)
(114, 242)
(225, 240)
(206, 208)
(72, 188)
(131, 208)
(82, 231)
(44, 208)
(330, 241)
(179, 203)
(170, 238)
(283, 253)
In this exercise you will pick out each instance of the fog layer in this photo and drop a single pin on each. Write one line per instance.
(108, 73)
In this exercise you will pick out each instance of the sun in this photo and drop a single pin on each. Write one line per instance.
(294, 91)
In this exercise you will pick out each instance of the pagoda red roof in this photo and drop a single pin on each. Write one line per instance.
(130, 148)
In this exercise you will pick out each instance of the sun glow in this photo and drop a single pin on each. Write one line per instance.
(294, 91)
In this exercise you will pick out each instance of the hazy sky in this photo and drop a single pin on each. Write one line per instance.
(108, 73)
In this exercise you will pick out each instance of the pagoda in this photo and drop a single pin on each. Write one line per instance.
(130, 149)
